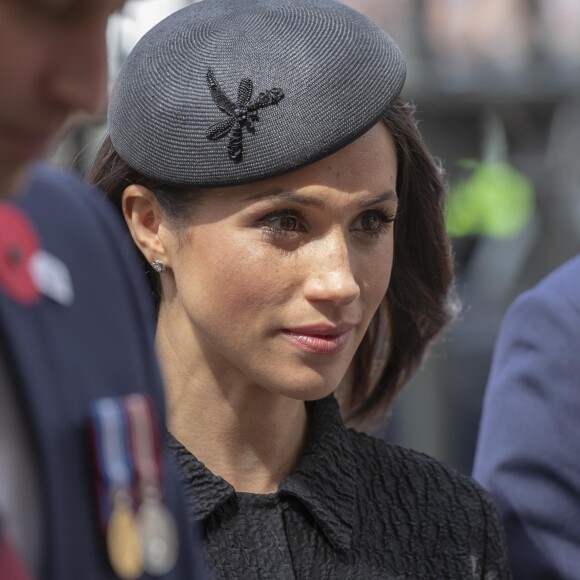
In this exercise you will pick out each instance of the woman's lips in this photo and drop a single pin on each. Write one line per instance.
(319, 339)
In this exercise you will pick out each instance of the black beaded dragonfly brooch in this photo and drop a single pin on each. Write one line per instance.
(243, 113)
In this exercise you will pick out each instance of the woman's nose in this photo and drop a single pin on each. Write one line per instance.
(331, 277)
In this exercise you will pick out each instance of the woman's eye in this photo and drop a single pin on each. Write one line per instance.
(283, 223)
(370, 223)
(373, 223)
(287, 223)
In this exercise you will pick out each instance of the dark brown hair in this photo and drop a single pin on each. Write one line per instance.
(418, 303)
(420, 300)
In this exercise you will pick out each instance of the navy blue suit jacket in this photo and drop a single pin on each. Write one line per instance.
(63, 357)
(528, 454)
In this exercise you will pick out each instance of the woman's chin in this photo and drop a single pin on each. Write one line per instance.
(307, 388)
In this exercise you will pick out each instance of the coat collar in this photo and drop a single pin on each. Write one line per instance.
(323, 481)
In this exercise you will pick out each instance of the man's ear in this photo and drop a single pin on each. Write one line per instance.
(144, 220)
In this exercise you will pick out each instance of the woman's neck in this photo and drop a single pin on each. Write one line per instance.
(250, 437)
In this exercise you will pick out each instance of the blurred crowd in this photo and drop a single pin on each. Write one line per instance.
(495, 82)
(459, 39)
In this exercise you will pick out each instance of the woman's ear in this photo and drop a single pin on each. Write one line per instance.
(144, 219)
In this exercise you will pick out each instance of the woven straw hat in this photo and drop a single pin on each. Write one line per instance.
(225, 92)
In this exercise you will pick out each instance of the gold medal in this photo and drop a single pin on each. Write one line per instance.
(123, 539)
(159, 537)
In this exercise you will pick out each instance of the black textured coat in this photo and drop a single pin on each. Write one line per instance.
(354, 507)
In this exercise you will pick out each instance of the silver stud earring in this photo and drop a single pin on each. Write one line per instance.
(158, 266)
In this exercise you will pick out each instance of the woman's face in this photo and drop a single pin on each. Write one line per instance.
(274, 283)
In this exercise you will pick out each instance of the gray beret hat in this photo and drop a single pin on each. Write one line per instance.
(225, 92)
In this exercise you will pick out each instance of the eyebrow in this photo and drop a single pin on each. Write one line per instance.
(388, 195)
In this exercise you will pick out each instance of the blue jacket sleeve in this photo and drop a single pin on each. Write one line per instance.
(528, 454)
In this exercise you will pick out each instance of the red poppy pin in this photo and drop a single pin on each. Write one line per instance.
(18, 243)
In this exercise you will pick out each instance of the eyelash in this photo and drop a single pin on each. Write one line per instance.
(386, 218)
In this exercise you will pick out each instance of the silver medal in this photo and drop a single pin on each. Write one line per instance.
(159, 537)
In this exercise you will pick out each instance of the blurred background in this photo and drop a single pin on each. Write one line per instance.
(496, 84)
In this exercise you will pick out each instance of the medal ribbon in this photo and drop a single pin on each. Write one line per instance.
(144, 436)
(112, 453)
(159, 535)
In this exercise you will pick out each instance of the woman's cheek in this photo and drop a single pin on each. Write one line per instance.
(375, 279)
(241, 282)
